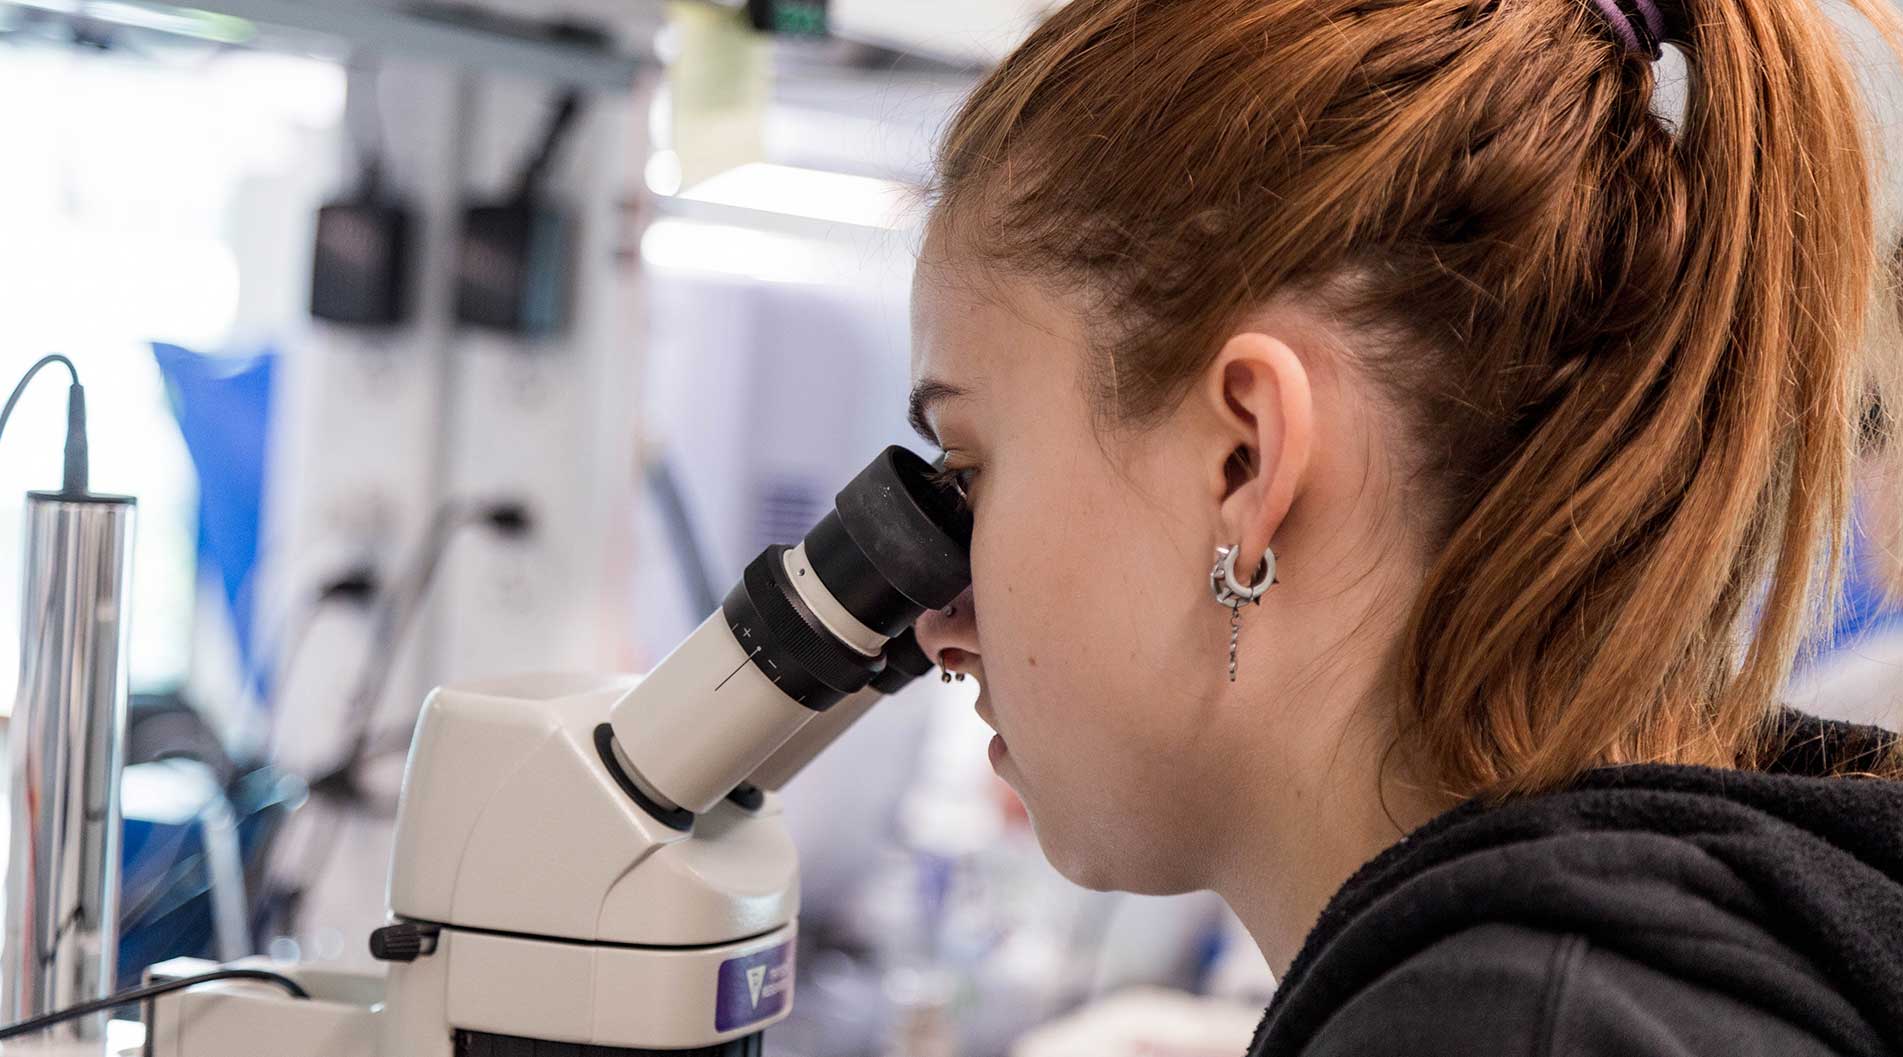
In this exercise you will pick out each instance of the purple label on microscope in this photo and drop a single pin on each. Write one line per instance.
(754, 987)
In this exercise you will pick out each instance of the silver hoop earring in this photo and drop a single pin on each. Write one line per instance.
(1234, 594)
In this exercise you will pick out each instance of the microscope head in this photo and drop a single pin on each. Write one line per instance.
(806, 627)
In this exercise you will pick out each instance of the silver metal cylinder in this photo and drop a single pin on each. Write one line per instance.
(67, 740)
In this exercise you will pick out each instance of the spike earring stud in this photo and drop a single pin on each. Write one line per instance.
(945, 676)
(1230, 592)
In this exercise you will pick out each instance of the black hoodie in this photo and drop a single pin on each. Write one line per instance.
(1645, 910)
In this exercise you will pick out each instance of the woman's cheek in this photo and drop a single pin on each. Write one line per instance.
(997, 595)
(1023, 558)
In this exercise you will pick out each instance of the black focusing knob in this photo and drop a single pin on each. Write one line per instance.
(404, 941)
(747, 797)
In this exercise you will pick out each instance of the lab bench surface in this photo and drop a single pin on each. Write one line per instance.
(124, 1038)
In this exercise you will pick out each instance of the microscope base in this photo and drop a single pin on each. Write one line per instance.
(472, 1044)
(250, 1019)
(486, 995)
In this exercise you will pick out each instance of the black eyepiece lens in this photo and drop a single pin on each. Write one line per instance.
(896, 544)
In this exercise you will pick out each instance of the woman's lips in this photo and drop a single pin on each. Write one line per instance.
(997, 749)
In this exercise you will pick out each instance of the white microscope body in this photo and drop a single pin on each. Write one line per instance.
(595, 866)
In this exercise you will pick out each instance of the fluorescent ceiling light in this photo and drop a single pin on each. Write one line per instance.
(974, 31)
(686, 246)
(179, 21)
(695, 248)
(58, 7)
(862, 201)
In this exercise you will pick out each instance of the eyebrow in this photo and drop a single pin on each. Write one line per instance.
(924, 395)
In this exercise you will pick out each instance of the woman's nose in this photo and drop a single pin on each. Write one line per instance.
(953, 628)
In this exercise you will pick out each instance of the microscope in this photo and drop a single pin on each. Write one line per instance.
(591, 866)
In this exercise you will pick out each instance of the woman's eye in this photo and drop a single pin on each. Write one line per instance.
(957, 478)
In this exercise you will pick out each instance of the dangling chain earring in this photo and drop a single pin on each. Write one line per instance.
(1233, 593)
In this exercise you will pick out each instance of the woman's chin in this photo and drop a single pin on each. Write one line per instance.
(1085, 870)
(1076, 861)
(1107, 864)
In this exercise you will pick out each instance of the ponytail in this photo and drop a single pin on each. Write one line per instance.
(1687, 500)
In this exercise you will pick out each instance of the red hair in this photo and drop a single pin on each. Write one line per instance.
(1639, 359)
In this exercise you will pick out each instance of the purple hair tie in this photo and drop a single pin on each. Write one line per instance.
(1636, 23)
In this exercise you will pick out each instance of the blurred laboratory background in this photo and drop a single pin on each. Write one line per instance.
(443, 340)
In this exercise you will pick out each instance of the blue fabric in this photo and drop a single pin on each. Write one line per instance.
(165, 908)
(223, 407)
(1861, 612)
(1863, 609)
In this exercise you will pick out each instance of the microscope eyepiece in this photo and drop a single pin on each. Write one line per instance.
(803, 629)
(895, 545)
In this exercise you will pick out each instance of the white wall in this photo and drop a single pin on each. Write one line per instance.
(379, 430)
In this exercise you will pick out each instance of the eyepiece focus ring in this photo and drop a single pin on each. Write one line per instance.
(785, 640)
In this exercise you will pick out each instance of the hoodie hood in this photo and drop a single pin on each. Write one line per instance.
(1782, 888)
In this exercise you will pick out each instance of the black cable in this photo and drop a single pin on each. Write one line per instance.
(338, 783)
(670, 502)
(402, 604)
(149, 991)
(364, 120)
(20, 387)
(355, 585)
(77, 458)
(529, 184)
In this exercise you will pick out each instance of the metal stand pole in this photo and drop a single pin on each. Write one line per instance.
(67, 746)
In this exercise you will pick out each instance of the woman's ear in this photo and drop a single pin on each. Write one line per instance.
(1259, 391)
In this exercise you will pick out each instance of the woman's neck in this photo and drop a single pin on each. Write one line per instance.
(1352, 796)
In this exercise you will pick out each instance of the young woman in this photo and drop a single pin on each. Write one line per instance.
(1404, 464)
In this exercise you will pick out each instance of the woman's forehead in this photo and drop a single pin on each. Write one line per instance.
(950, 328)
(967, 317)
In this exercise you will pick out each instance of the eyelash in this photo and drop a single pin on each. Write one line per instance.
(958, 479)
